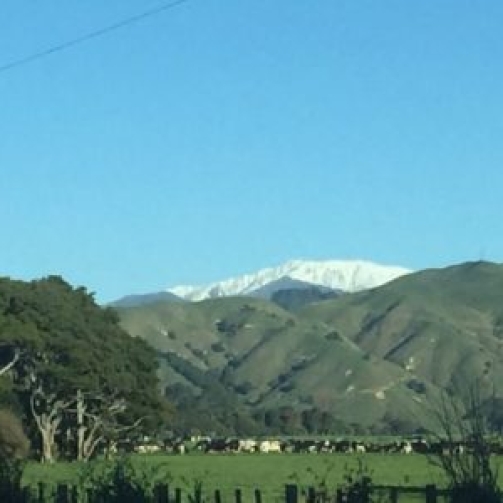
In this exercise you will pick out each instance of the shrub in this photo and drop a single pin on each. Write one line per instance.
(357, 487)
(11, 472)
(14, 444)
(218, 347)
(119, 481)
(466, 458)
(14, 448)
(195, 493)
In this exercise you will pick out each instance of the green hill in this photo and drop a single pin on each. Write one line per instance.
(372, 360)
(444, 325)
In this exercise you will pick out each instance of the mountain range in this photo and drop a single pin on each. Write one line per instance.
(377, 357)
(324, 275)
(344, 275)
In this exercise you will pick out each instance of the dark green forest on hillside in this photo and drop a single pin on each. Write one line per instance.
(74, 377)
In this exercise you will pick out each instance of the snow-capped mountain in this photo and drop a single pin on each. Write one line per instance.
(346, 275)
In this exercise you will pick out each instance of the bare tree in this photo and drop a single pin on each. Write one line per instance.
(97, 421)
(48, 410)
(46, 407)
(464, 453)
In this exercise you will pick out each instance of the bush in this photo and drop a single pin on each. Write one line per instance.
(14, 444)
(466, 460)
(357, 486)
(218, 347)
(11, 472)
(14, 448)
(195, 493)
(474, 493)
(119, 481)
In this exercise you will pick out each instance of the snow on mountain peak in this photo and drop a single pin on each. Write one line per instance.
(346, 275)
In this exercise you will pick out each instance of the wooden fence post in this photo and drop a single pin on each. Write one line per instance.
(238, 499)
(161, 493)
(339, 496)
(178, 495)
(431, 493)
(26, 496)
(393, 495)
(258, 496)
(74, 494)
(62, 493)
(311, 495)
(218, 496)
(41, 493)
(291, 494)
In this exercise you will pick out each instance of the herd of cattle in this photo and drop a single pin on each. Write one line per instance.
(294, 445)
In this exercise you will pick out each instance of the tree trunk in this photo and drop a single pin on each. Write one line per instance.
(92, 440)
(48, 420)
(48, 430)
(81, 427)
(47, 443)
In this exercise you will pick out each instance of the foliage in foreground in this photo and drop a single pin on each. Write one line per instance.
(357, 483)
(11, 472)
(14, 448)
(14, 443)
(473, 478)
(122, 481)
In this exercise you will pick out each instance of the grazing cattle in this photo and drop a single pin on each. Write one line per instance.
(412, 445)
(407, 448)
(218, 445)
(420, 446)
(360, 448)
(247, 445)
(147, 448)
(267, 446)
(342, 445)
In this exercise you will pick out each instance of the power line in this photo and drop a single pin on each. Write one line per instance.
(89, 36)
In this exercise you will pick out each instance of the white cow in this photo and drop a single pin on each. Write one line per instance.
(407, 448)
(247, 445)
(267, 446)
(147, 449)
(360, 449)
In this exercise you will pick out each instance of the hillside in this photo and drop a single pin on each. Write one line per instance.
(141, 299)
(445, 325)
(374, 360)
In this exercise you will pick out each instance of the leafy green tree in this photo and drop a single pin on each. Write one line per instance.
(79, 376)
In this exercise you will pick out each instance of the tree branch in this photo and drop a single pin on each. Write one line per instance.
(6, 368)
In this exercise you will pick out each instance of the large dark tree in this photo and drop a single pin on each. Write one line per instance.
(80, 379)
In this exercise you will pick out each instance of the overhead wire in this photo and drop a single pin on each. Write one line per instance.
(92, 35)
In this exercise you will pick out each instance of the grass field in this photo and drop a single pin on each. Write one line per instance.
(268, 472)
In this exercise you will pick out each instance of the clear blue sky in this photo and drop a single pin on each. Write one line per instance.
(225, 136)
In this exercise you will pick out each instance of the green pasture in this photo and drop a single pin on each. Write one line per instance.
(268, 472)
